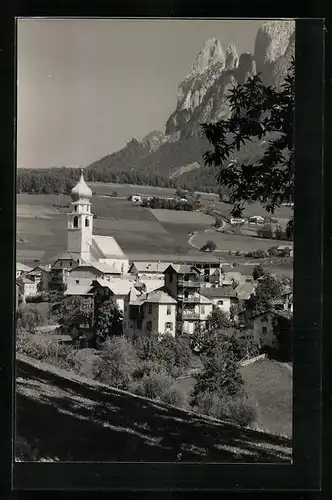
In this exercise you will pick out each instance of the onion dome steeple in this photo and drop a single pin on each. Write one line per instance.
(81, 190)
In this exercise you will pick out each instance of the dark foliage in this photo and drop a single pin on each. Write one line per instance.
(259, 113)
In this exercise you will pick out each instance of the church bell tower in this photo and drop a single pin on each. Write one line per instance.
(80, 222)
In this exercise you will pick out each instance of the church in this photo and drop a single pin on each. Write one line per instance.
(84, 246)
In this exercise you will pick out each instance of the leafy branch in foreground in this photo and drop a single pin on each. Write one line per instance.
(259, 113)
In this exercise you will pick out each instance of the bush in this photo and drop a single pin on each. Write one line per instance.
(238, 410)
(28, 318)
(173, 354)
(154, 385)
(41, 347)
(34, 299)
(174, 396)
(259, 254)
(209, 246)
(118, 363)
(272, 251)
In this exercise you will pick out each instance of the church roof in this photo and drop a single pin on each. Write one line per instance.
(106, 247)
(81, 190)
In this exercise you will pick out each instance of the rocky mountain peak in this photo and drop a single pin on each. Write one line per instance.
(272, 41)
(232, 58)
(211, 54)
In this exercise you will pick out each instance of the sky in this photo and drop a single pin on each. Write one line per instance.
(86, 87)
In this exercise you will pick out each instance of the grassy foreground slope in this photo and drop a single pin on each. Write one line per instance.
(74, 418)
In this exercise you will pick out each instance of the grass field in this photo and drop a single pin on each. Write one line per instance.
(228, 241)
(137, 229)
(270, 384)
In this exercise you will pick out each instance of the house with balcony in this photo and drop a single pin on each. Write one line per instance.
(185, 283)
(148, 313)
(60, 269)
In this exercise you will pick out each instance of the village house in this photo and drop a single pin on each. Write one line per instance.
(89, 270)
(60, 268)
(22, 269)
(222, 297)
(27, 288)
(265, 325)
(184, 284)
(41, 276)
(103, 289)
(147, 313)
(148, 269)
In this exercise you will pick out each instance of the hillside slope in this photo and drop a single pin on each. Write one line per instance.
(91, 421)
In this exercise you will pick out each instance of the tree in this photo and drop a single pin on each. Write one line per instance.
(272, 251)
(268, 290)
(118, 362)
(172, 354)
(258, 272)
(259, 113)
(73, 312)
(209, 246)
(243, 346)
(290, 229)
(218, 319)
(220, 376)
(108, 320)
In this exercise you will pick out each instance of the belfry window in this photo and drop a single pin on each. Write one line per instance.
(86, 222)
(75, 221)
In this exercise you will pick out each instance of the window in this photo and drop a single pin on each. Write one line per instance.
(186, 277)
(220, 302)
(150, 308)
(202, 309)
(75, 221)
(168, 326)
(264, 329)
(168, 310)
(289, 305)
(60, 264)
(186, 294)
(77, 282)
(75, 208)
(86, 222)
(149, 325)
(70, 263)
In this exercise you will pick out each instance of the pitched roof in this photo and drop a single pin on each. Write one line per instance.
(40, 267)
(150, 284)
(150, 266)
(22, 267)
(159, 296)
(106, 268)
(118, 287)
(65, 256)
(107, 247)
(220, 292)
(25, 281)
(100, 266)
(176, 258)
(183, 269)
